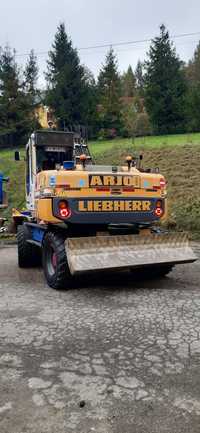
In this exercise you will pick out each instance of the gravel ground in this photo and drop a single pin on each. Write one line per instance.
(111, 355)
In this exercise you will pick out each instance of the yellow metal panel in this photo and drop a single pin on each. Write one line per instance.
(80, 183)
(44, 211)
(75, 184)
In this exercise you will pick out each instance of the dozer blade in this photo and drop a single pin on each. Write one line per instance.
(127, 251)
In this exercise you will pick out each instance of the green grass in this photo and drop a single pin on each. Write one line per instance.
(177, 156)
(16, 187)
(142, 143)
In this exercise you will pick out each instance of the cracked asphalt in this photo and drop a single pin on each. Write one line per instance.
(110, 355)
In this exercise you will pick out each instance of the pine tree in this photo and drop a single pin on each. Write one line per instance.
(16, 111)
(31, 74)
(109, 88)
(139, 76)
(32, 93)
(13, 104)
(91, 102)
(128, 83)
(193, 68)
(192, 71)
(66, 81)
(9, 87)
(165, 86)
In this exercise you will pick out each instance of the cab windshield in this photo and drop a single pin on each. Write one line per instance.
(48, 159)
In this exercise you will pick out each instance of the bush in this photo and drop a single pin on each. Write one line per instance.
(142, 125)
(128, 118)
(107, 134)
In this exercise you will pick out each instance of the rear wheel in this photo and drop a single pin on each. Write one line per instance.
(55, 263)
(28, 255)
(154, 271)
(158, 271)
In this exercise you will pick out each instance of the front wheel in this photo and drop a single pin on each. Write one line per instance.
(55, 263)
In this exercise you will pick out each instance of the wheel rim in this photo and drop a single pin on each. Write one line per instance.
(51, 259)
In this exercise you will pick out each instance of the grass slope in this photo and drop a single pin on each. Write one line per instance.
(139, 143)
(16, 173)
(178, 158)
(181, 167)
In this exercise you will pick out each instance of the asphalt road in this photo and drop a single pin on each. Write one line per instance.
(128, 351)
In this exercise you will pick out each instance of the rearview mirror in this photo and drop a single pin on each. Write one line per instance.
(17, 155)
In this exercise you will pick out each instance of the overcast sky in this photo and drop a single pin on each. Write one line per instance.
(26, 24)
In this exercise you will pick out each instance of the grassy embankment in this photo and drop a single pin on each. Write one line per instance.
(15, 171)
(178, 158)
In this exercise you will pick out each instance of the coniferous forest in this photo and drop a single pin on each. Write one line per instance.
(161, 96)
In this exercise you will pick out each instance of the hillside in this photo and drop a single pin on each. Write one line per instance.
(178, 158)
(15, 171)
(180, 165)
(143, 143)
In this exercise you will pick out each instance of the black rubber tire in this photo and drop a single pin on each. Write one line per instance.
(151, 272)
(159, 271)
(58, 274)
(29, 256)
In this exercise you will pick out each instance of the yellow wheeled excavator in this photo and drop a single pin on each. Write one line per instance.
(86, 217)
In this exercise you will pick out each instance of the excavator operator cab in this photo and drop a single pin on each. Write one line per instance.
(52, 149)
(50, 160)
(46, 150)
